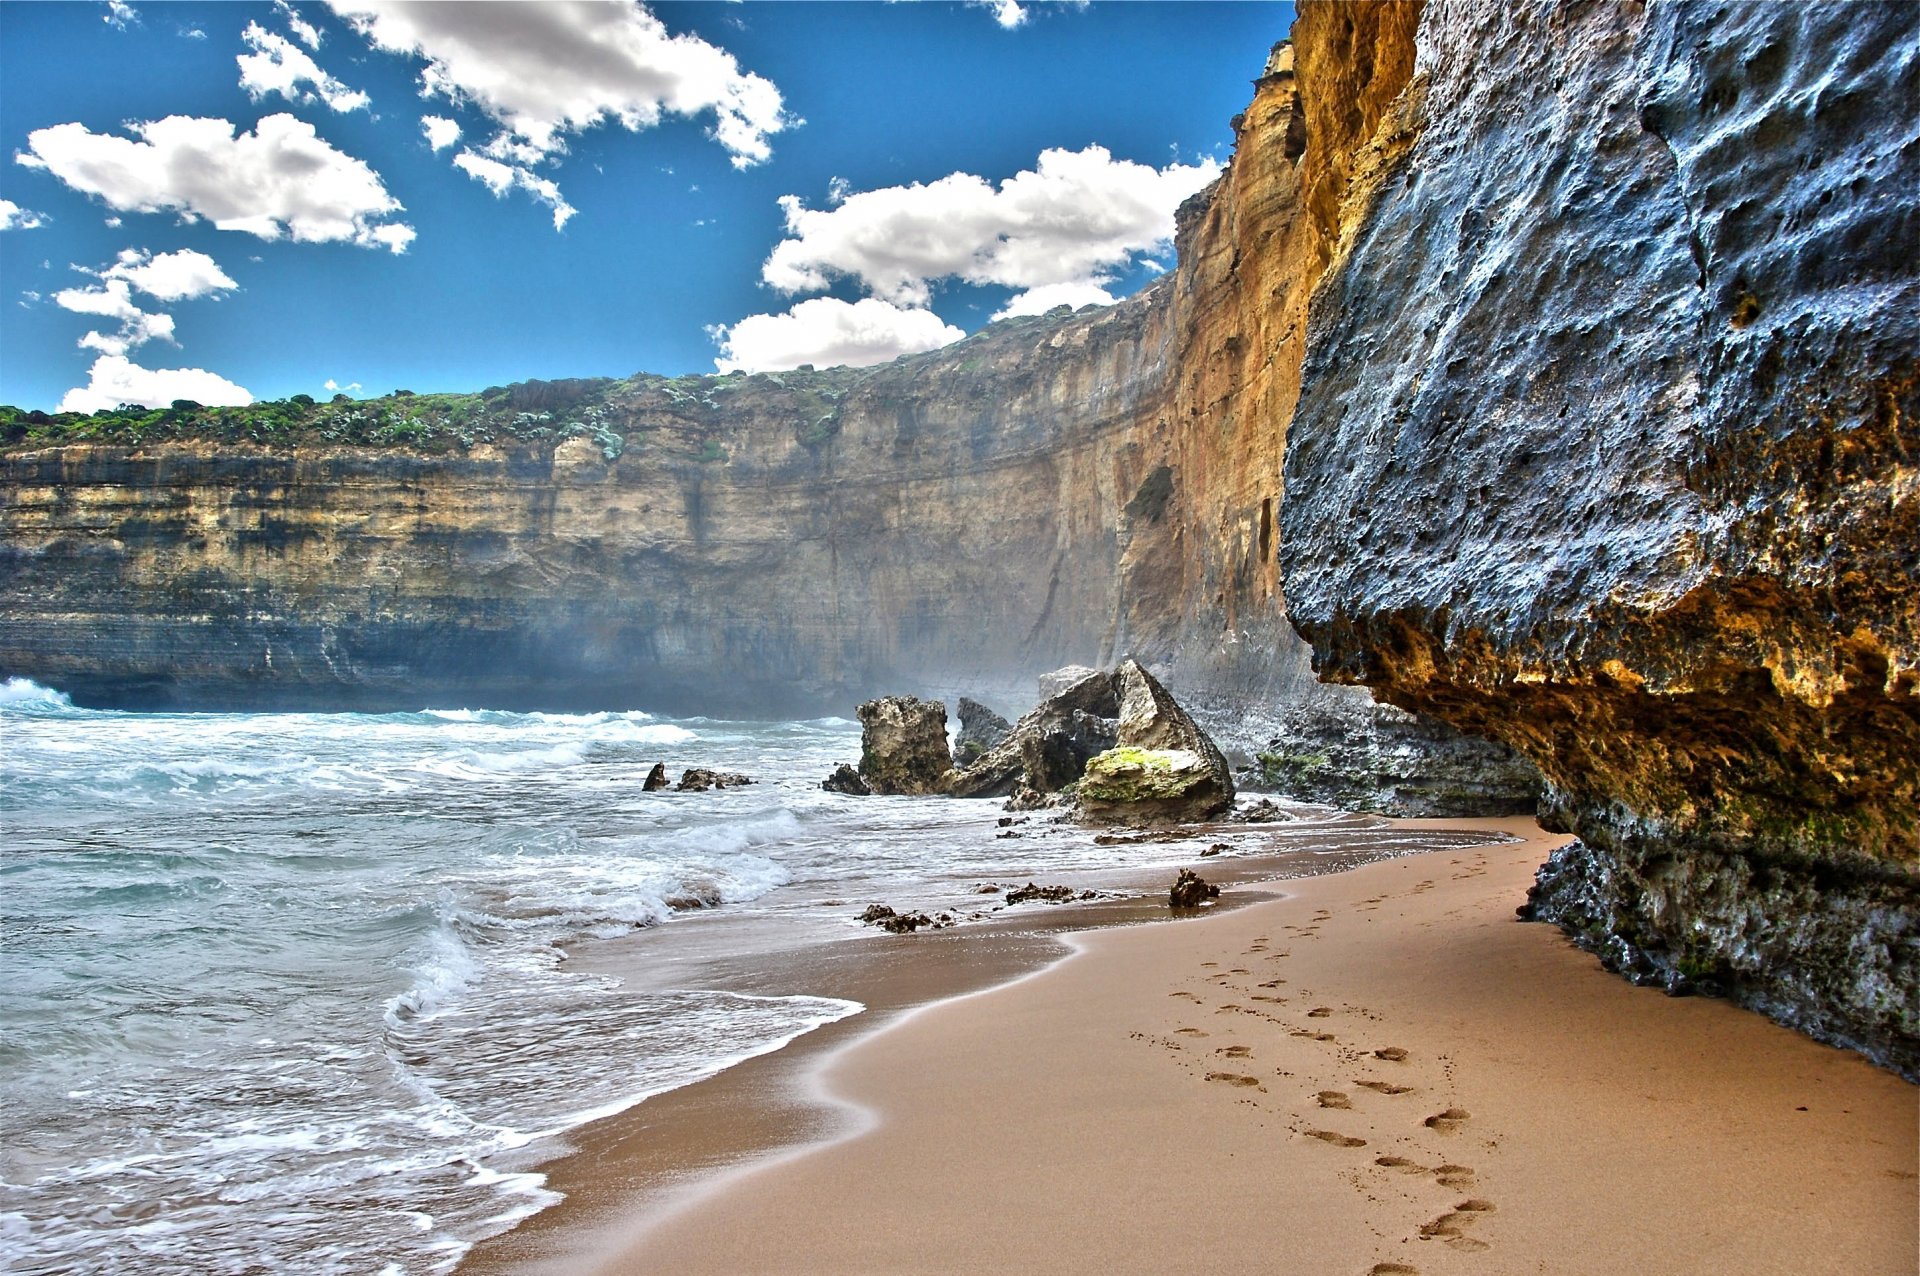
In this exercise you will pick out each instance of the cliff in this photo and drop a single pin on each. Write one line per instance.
(1605, 447)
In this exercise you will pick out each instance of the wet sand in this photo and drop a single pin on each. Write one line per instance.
(1380, 1072)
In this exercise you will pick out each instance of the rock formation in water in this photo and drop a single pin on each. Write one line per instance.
(1163, 769)
(1606, 448)
(903, 746)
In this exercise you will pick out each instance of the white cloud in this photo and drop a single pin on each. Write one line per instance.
(120, 14)
(336, 387)
(282, 179)
(114, 380)
(113, 223)
(304, 31)
(1008, 13)
(278, 65)
(440, 131)
(177, 276)
(1037, 301)
(1076, 217)
(827, 332)
(544, 71)
(501, 178)
(14, 217)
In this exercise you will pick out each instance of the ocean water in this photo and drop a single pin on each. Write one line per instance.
(293, 992)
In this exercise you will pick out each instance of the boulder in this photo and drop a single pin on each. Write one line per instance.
(1190, 890)
(656, 778)
(903, 745)
(1052, 684)
(1163, 769)
(980, 729)
(846, 780)
(700, 779)
(1048, 748)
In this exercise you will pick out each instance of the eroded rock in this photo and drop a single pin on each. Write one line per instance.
(700, 779)
(656, 778)
(846, 780)
(1164, 768)
(903, 745)
(1190, 890)
(980, 729)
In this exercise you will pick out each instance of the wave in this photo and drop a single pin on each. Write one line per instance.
(25, 693)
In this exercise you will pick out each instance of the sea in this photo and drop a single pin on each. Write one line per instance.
(297, 991)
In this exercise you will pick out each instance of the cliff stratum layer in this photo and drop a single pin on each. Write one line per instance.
(1550, 368)
(1606, 447)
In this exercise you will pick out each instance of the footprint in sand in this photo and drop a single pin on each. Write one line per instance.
(1449, 1121)
(1312, 1036)
(1278, 1001)
(1320, 1012)
(1400, 1163)
(1236, 1052)
(1189, 1032)
(1383, 1087)
(1237, 971)
(1393, 1054)
(1333, 1099)
(1451, 1226)
(1273, 983)
(1187, 995)
(1338, 1140)
(1454, 1177)
(1392, 1269)
(1235, 1078)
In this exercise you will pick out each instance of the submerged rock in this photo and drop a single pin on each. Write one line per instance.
(980, 729)
(700, 779)
(656, 778)
(1049, 747)
(901, 923)
(846, 780)
(1190, 890)
(903, 745)
(1046, 894)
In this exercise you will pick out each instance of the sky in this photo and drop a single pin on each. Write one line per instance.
(236, 201)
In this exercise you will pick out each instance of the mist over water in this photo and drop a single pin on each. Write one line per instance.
(293, 991)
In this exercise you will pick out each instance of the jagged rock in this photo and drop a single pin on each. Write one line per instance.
(1052, 684)
(903, 745)
(1048, 748)
(1047, 894)
(656, 778)
(700, 779)
(1190, 890)
(1164, 769)
(1261, 812)
(1028, 799)
(980, 729)
(846, 780)
(900, 923)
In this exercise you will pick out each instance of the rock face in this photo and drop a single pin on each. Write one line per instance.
(1393, 761)
(903, 745)
(1606, 448)
(980, 729)
(1049, 747)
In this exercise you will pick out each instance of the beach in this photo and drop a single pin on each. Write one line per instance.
(1372, 1071)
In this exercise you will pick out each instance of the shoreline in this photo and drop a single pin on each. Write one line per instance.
(1080, 1115)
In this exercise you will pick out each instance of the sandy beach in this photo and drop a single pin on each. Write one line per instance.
(1381, 1072)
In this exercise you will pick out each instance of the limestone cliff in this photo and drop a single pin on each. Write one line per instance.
(1605, 446)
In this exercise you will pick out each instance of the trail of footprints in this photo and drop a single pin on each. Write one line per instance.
(1395, 1153)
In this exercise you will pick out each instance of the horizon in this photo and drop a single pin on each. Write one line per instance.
(393, 195)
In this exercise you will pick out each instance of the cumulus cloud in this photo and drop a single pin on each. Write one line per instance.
(1008, 13)
(120, 15)
(545, 70)
(278, 65)
(1037, 301)
(14, 217)
(440, 131)
(501, 178)
(1075, 218)
(337, 388)
(827, 332)
(282, 179)
(177, 276)
(114, 379)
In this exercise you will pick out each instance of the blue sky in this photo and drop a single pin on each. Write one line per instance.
(249, 193)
